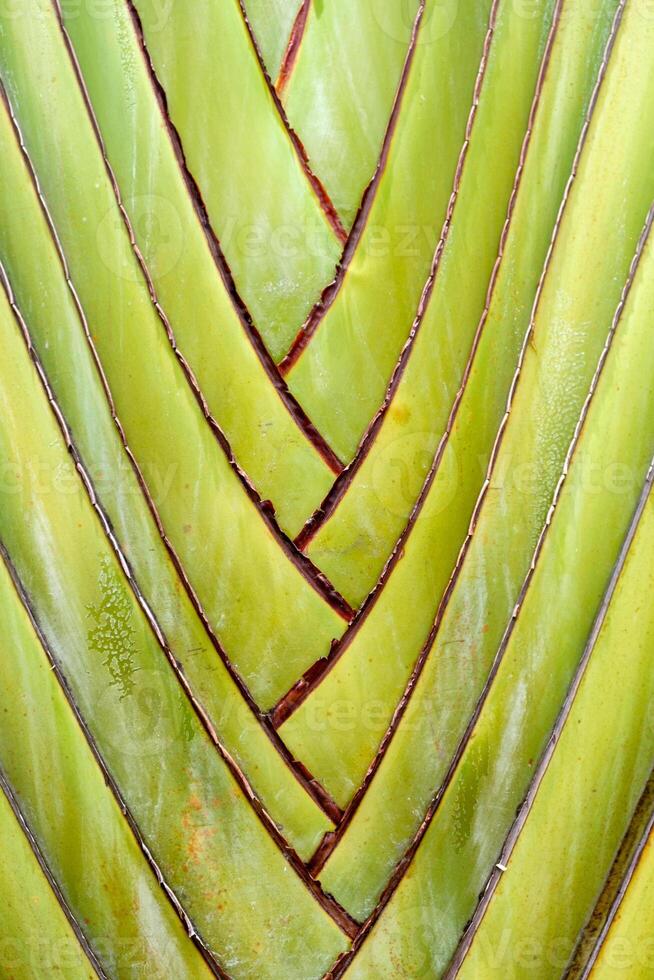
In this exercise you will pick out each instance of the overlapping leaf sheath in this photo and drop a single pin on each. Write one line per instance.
(226, 544)
(56, 328)
(202, 830)
(342, 374)
(543, 642)
(79, 827)
(570, 326)
(626, 945)
(272, 22)
(583, 792)
(272, 441)
(340, 89)
(327, 441)
(273, 228)
(36, 934)
(365, 520)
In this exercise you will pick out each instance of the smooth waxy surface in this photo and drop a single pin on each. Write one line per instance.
(570, 329)
(276, 237)
(376, 507)
(627, 946)
(224, 544)
(33, 265)
(126, 918)
(539, 655)
(341, 90)
(35, 932)
(272, 21)
(591, 786)
(200, 828)
(343, 373)
(265, 439)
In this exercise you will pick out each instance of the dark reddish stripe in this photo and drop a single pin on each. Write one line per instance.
(403, 865)
(338, 914)
(305, 566)
(310, 785)
(316, 184)
(331, 840)
(343, 482)
(316, 673)
(292, 48)
(289, 400)
(330, 293)
(190, 928)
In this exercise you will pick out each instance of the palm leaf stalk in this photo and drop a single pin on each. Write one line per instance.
(326, 505)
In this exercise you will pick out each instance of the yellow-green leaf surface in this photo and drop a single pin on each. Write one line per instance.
(341, 89)
(355, 542)
(584, 798)
(570, 328)
(226, 547)
(627, 948)
(272, 22)
(126, 917)
(273, 230)
(36, 937)
(342, 375)
(29, 256)
(194, 817)
(238, 387)
(543, 642)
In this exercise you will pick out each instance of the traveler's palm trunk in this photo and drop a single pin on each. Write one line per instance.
(326, 520)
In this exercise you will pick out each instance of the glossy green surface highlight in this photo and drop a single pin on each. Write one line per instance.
(29, 257)
(266, 440)
(203, 833)
(225, 546)
(268, 218)
(340, 93)
(342, 375)
(109, 887)
(36, 936)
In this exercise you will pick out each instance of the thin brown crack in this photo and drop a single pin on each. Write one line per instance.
(333, 909)
(331, 291)
(316, 579)
(345, 480)
(315, 183)
(40, 859)
(344, 961)
(179, 909)
(644, 812)
(293, 47)
(596, 928)
(331, 840)
(544, 762)
(308, 783)
(312, 678)
(290, 402)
